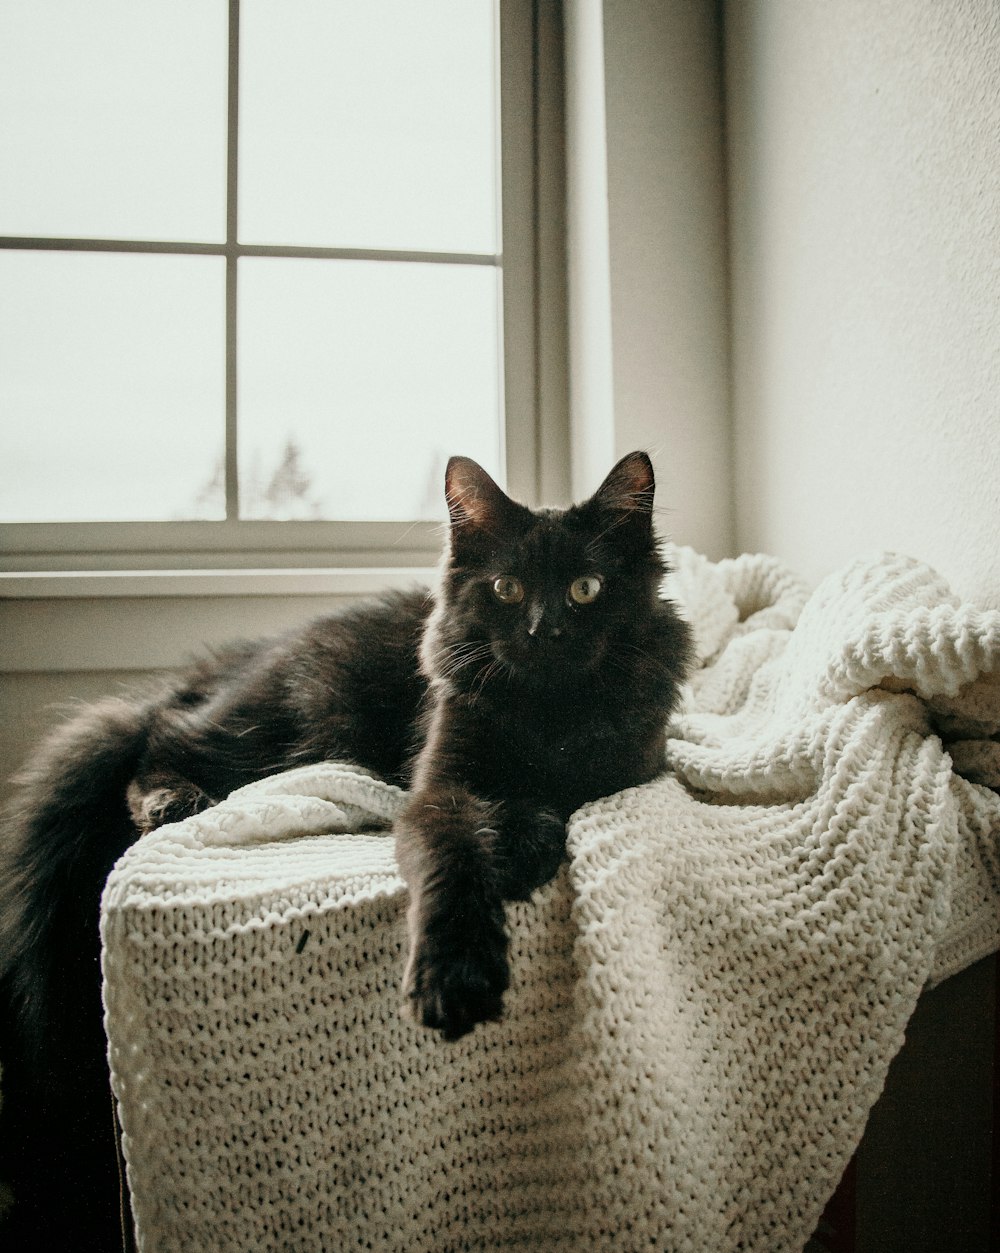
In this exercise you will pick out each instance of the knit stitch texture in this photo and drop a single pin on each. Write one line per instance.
(705, 1000)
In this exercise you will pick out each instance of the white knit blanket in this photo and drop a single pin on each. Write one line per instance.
(705, 1001)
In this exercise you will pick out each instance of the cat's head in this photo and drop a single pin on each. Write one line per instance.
(542, 597)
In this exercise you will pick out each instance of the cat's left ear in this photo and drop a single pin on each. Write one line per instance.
(627, 492)
(477, 506)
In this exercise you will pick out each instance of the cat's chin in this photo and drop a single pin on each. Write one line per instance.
(545, 666)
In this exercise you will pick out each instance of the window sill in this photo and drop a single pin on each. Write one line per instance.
(305, 581)
(142, 620)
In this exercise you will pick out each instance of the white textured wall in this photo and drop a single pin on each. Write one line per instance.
(647, 254)
(667, 248)
(864, 157)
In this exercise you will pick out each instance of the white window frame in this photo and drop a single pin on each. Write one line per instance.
(534, 388)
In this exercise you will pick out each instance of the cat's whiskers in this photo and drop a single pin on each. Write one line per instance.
(460, 656)
(485, 676)
(621, 646)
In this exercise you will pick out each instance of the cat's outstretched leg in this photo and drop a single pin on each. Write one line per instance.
(456, 972)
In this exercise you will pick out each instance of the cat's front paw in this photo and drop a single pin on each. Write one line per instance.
(529, 849)
(452, 986)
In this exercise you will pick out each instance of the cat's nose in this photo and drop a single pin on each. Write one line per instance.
(542, 627)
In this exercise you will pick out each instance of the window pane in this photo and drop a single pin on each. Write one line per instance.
(357, 381)
(112, 386)
(368, 124)
(113, 119)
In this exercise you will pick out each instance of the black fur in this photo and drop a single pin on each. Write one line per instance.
(501, 713)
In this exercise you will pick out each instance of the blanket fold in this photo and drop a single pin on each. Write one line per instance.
(705, 1000)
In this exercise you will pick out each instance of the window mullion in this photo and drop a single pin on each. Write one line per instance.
(232, 478)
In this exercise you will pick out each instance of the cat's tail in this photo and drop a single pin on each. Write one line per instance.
(66, 826)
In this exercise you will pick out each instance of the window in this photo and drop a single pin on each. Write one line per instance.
(263, 266)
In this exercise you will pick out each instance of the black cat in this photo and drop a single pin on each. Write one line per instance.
(540, 676)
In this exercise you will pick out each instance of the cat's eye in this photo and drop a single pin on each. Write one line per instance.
(584, 591)
(508, 589)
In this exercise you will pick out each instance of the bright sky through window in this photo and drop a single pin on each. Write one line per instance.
(368, 125)
(363, 130)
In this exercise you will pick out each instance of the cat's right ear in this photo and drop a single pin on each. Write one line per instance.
(625, 501)
(477, 506)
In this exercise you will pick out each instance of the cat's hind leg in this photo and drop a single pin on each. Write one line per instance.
(158, 797)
